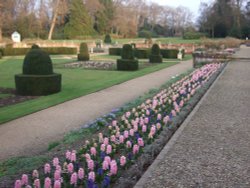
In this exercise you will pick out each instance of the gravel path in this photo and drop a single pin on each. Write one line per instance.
(31, 134)
(212, 149)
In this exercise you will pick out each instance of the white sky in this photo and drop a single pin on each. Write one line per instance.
(193, 5)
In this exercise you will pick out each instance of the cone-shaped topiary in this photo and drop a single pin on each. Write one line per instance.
(84, 52)
(107, 39)
(155, 56)
(128, 62)
(38, 77)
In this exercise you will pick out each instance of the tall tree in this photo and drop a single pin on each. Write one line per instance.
(80, 22)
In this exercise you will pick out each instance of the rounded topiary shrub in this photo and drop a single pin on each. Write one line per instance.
(38, 77)
(155, 56)
(107, 39)
(84, 52)
(127, 62)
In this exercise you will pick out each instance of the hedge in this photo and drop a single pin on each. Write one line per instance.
(171, 53)
(115, 51)
(127, 64)
(51, 50)
(142, 53)
(1, 53)
(36, 85)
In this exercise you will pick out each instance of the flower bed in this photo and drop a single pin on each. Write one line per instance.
(99, 65)
(121, 144)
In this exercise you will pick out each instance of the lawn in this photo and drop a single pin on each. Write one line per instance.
(76, 83)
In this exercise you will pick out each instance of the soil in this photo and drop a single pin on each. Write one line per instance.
(13, 98)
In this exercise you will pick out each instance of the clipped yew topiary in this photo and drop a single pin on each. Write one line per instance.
(107, 39)
(128, 61)
(38, 77)
(84, 52)
(155, 56)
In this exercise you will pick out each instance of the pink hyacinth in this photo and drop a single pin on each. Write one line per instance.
(109, 149)
(135, 128)
(106, 141)
(73, 156)
(87, 156)
(47, 168)
(140, 142)
(131, 132)
(128, 144)
(103, 147)
(55, 161)
(70, 168)
(126, 134)
(68, 155)
(100, 137)
(37, 183)
(93, 151)
(92, 176)
(57, 175)
(47, 183)
(105, 165)
(59, 168)
(81, 173)
(147, 112)
(144, 128)
(152, 130)
(135, 149)
(146, 120)
(91, 164)
(158, 126)
(108, 159)
(113, 169)
(173, 113)
(73, 179)
(122, 160)
(121, 139)
(112, 138)
(128, 114)
(166, 119)
(57, 184)
(117, 134)
(18, 184)
(35, 174)
(114, 123)
(159, 117)
(25, 179)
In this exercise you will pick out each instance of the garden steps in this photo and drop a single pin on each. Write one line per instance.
(211, 148)
(31, 134)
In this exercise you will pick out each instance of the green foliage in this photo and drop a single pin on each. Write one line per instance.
(84, 52)
(193, 35)
(35, 46)
(127, 52)
(141, 53)
(107, 39)
(80, 23)
(50, 50)
(155, 56)
(37, 62)
(171, 53)
(1, 53)
(115, 51)
(145, 34)
(36, 85)
(127, 64)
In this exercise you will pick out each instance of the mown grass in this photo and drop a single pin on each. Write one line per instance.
(75, 83)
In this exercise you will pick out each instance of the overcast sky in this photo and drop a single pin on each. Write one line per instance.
(193, 5)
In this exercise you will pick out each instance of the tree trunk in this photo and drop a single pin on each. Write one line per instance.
(54, 20)
(1, 34)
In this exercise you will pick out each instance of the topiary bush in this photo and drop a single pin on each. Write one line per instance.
(38, 77)
(142, 53)
(115, 51)
(128, 61)
(155, 56)
(84, 52)
(107, 39)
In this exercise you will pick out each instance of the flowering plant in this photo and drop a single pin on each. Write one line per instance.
(98, 163)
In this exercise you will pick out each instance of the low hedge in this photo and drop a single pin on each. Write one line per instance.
(171, 53)
(50, 50)
(115, 51)
(142, 53)
(1, 53)
(36, 85)
(127, 64)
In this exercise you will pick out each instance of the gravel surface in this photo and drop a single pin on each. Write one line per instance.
(31, 134)
(212, 151)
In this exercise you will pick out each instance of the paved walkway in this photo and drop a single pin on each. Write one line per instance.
(212, 148)
(31, 134)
